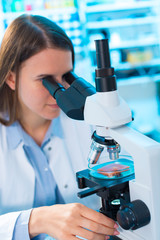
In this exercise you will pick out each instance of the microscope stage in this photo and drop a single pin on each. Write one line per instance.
(95, 185)
(90, 181)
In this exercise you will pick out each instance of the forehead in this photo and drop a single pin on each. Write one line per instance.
(49, 60)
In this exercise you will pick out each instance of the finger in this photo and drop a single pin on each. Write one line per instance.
(87, 234)
(97, 217)
(96, 227)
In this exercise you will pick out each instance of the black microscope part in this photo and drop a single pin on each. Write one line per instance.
(108, 189)
(103, 140)
(52, 86)
(102, 53)
(70, 77)
(105, 78)
(133, 215)
(130, 215)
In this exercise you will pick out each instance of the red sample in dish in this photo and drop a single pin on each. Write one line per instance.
(113, 169)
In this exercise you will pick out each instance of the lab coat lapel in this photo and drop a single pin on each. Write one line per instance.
(69, 155)
(19, 176)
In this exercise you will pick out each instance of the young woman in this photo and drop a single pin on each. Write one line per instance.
(40, 147)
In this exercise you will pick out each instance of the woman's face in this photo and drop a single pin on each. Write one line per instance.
(34, 98)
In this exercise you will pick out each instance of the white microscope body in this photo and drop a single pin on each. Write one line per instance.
(110, 113)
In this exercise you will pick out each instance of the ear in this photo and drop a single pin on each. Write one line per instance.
(11, 80)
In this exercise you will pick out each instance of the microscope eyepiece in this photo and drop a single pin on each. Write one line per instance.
(105, 79)
(102, 53)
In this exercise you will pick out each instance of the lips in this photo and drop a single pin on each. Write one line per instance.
(53, 105)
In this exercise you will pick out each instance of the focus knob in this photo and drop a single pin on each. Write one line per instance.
(133, 215)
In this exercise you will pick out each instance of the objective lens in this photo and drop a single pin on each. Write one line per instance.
(114, 151)
(95, 152)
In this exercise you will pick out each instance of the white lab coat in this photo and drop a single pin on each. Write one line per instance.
(17, 176)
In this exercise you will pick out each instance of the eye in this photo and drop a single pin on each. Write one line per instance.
(49, 78)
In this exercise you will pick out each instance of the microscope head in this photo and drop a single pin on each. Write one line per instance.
(106, 108)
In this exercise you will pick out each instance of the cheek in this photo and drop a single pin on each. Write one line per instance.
(33, 95)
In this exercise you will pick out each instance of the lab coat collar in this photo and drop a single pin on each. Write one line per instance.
(16, 134)
(14, 137)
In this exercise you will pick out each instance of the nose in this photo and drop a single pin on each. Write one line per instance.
(61, 80)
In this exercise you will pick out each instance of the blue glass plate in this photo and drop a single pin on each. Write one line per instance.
(124, 161)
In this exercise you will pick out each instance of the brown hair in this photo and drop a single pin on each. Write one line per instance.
(25, 36)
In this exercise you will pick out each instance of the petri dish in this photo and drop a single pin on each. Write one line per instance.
(122, 167)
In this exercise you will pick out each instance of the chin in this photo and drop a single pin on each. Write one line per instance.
(53, 115)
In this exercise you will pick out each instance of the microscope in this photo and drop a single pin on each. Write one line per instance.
(132, 199)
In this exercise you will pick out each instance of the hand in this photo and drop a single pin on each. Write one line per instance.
(67, 221)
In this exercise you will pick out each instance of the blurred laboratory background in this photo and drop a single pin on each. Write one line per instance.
(133, 30)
